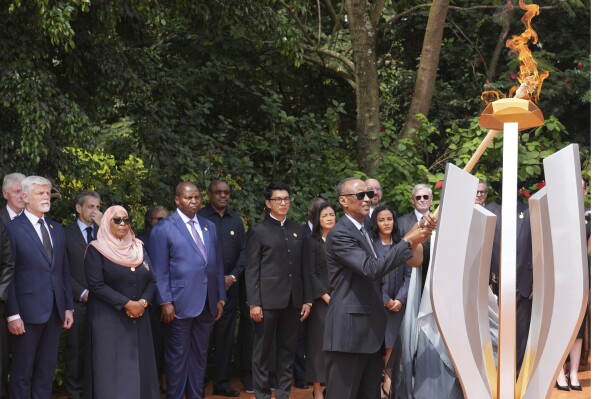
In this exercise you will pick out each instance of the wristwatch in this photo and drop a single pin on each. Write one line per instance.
(144, 303)
(409, 243)
(233, 277)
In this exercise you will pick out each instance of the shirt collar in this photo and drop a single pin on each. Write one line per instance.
(11, 213)
(185, 218)
(82, 226)
(282, 223)
(32, 218)
(358, 225)
(418, 215)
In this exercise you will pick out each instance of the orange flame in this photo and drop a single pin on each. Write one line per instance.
(528, 75)
(491, 95)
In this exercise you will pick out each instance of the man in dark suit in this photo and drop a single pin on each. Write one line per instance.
(422, 197)
(375, 186)
(187, 258)
(277, 289)
(7, 272)
(355, 321)
(40, 300)
(523, 273)
(11, 191)
(231, 233)
(79, 234)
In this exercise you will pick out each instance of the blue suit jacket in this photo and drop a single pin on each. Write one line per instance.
(183, 276)
(38, 281)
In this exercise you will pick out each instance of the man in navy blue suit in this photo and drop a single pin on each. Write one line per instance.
(40, 299)
(188, 263)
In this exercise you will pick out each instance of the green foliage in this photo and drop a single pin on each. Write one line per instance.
(422, 159)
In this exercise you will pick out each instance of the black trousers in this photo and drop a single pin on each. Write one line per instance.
(353, 375)
(75, 352)
(282, 325)
(223, 333)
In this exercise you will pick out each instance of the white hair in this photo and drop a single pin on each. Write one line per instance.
(28, 183)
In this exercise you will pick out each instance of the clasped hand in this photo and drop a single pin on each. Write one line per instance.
(134, 309)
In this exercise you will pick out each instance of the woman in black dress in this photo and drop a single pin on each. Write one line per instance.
(120, 360)
(385, 233)
(314, 258)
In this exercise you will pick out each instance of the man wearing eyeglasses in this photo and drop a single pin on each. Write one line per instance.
(229, 227)
(422, 197)
(187, 258)
(356, 319)
(375, 186)
(79, 234)
(481, 193)
(278, 290)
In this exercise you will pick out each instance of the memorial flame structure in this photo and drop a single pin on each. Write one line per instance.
(460, 260)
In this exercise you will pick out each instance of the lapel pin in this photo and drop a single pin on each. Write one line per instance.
(51, 226)
(521, 216)
(206, 228)
(232, 233)
(295, 235)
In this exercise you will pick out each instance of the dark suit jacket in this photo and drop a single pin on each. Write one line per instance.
(523, 250)
(273, 270)
(4, 216)
(7, 263)
(405, 224)
(76, 246)
(314, 260)
(183, 276)
(39, 282)
(356, 319)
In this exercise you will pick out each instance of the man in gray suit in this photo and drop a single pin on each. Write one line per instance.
(355, 320)
(79, 234)
(422, 197)
(11, 191)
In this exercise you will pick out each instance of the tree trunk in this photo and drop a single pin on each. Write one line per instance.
(427, 70)
(363, 36)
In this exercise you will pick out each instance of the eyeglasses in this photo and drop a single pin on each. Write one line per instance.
(221, 192)
(118, 220)
(360, 196)
(424, 197)
(481, 192)
(286, 200)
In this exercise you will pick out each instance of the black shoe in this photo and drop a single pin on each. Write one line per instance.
(561, 387)
(575, 387)
(301, 384)
(227, 391)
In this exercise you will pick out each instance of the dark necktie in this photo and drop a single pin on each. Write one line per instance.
(197, 238)
(46, 238)
(90, 237)
(365, 233)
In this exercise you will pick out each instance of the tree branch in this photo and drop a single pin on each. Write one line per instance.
(333, 54)
(333, 69)
(375, 13)
(331, 11)
(393, 20)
